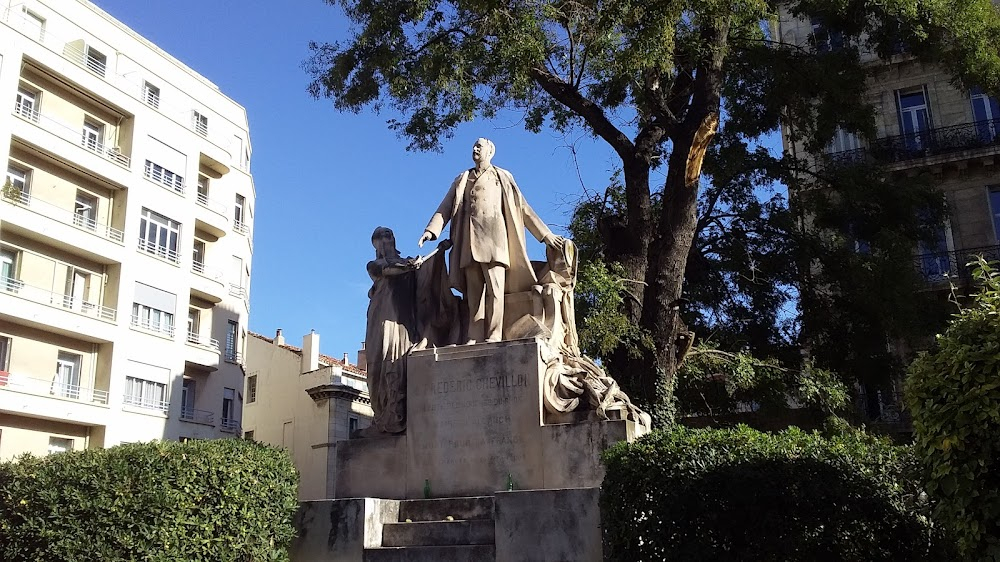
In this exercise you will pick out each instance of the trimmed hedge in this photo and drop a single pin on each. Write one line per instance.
(221, 500)
(953, 394)
(739, 494)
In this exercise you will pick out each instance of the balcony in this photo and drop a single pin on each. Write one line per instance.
(234, 357)
(197, 416)
(67, 217)
(152, 326)
(211, 216)
(202, 351)
(146, 403)
(71, 135)
(51, 387)
(207, 283)
(161, 252)
(953, 266)
(932, 142)
(237, 291)
(17, 288)
(884, 411)
(240, 227)
(230, 425)
(194, 338)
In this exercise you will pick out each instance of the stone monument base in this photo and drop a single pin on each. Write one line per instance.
(476, 425)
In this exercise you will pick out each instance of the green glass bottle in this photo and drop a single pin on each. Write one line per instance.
(427, 489)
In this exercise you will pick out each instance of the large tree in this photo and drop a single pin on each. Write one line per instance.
(646, 77)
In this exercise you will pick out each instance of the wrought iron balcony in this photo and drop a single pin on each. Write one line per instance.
(884, 409)
(230, 425)
(197, 416)
(954, 265)
(932, 142)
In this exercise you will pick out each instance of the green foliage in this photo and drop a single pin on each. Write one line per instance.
(10, 192)
(221, 500)
(953, 393)
(603, 327)
(713, 383)
(740, 494)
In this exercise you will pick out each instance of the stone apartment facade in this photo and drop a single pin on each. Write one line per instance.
(927, 126)
(306, 402)
(128, 207)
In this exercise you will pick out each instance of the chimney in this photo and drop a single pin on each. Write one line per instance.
(310, 351)
(279, 338)
(363, 357)
(347, 360)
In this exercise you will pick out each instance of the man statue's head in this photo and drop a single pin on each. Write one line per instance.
(482, 152)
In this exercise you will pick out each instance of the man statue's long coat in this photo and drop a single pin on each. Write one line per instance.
(517, 214)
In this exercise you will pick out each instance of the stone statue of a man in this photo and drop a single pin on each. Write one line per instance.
(489, 259)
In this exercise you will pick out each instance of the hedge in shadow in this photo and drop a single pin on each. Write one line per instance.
(739, 494)
(221, 500)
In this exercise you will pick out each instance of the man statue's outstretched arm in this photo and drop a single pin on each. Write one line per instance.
(441, 217)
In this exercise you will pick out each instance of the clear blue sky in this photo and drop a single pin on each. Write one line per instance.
(324, 179)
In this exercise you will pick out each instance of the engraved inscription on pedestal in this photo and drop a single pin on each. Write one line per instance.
(475, 418)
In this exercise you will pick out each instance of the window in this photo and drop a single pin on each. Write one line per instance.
(85, 210)
(248, 435)
(986, 114)
(236, 287)
(164, 177)
(187, 399)
(8, 270)
(239, 214)
(96, 61)
(229, 420)
(20, 180)
(202, 189)
(93, 136)
(200, 123)
(232, 333)
(251, 389)
(159, 235)
(934, 257)
(35, 24)
(352, 424)
(825, 40)
(4, 356)
(77, 288)
(194, 325)
(843, 141)
(198, 256)
(145, 394)
(152, 319)
(151, 95)
(26, 105)
(914, 118)
(995, 210)
(60, 445)
(67, 380)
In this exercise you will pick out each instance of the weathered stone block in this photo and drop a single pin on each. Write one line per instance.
(474, 417)
(340, 530)
(544, 525)
(372, 467)
(572, 451)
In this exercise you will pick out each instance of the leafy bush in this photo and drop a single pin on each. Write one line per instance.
(953, 394)
(739, 494)
(223, 500)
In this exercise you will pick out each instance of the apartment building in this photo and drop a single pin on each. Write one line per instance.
(127, 207)
(304, 401)
(929, 127)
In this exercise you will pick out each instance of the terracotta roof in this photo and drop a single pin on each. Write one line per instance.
(323, 359)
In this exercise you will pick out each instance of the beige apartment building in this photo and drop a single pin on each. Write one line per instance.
(304, 401)
(927, 127)
(127, 207)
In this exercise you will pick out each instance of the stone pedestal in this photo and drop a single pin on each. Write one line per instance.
(474, 420)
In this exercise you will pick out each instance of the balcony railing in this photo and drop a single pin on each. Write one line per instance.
(195, 338)
(234, 357)
(51, 387)
(230, 425)
(932, 142)
(954, 265)
(213, 274)
(66, 216)
(166, 179)
(152, 326)
(237, 291)
(147, 403)
(159, 251)
(197, 416)
(17, 288)
(211, 204)
(86, 58)
(70, 134)
(240, 227)
(884, 408)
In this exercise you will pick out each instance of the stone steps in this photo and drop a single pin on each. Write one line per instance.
(469, 534)
(468, 553)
